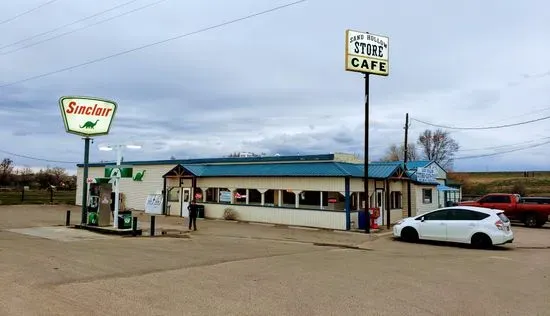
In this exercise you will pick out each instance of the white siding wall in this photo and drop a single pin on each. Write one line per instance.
(356, 185)
(419, 207)
(135, 191)
(273, 215)
(441, 178)
(395, 215)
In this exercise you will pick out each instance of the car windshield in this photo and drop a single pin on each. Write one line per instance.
(503, 217)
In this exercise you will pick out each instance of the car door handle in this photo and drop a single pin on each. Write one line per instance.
(441, 223)
(471, 225)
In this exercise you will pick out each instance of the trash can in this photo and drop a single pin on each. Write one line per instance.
(92, 218)
(125, 220)
(363, 218)
(200, 211)
(361, 221)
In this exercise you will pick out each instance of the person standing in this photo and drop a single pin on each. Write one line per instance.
(193, 213)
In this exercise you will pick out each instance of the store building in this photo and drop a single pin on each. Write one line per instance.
(446, 191)
(324, 191)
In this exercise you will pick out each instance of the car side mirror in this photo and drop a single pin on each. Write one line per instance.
(422, 219)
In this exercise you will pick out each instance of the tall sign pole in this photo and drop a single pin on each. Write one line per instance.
(366, 151)
(368, 54)
(85, 180)
(86, 117)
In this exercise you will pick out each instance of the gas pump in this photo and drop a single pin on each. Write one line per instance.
(99, 204)
(93, 204)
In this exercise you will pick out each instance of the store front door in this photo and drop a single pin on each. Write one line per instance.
(185, 199)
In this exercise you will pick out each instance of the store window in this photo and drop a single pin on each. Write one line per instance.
(254, 197)
(269, 198)
(396, 200)
(210, 195)
(199, 195)
(426, 196)
(174, 194)
(240, 196)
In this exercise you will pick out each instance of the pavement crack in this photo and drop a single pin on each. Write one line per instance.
(138, 273)
(345, 246)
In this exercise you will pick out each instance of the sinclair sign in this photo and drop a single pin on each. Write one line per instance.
(367, 53)
(87, 116)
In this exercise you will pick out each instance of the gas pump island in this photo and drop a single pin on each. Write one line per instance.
(91, 117)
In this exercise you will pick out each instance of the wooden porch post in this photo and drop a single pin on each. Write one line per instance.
(164, 195)
(388, 211)
(348, 204)
(193, 187)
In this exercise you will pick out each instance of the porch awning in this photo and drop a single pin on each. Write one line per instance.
(442, 187)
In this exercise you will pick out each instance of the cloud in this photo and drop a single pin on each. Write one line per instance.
(276, 83)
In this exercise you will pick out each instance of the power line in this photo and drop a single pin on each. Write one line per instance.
(503, 146)
(487, 127)
(522, 115)
(69, 24)
(27, 12)
(155, 43)
(34, 158)
(82, 28)
(501, 152)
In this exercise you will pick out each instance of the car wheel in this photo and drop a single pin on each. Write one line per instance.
(481, 241)
(409, 234)
(540, 222)
(530, 220)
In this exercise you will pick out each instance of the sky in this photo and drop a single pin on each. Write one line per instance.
(275, 83)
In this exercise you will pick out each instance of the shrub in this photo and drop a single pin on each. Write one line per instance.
(519, 188)
(230, 214)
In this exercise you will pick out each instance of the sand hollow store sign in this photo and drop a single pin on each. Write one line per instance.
(367, 54)
(87, 117)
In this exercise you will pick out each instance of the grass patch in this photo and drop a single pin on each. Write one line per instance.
(480, 183)
(37, 197)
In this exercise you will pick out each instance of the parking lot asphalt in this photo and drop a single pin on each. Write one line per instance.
(242, 269)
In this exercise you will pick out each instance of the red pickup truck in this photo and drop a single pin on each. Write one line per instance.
(533, 212)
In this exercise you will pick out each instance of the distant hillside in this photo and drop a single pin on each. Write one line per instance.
(480, 183)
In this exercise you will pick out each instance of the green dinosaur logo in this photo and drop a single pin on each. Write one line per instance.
(139, 175)
(89, 124)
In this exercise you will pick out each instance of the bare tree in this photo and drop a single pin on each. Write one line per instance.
(26, 176)
(438, 146)
(6, 171)
(397, 153)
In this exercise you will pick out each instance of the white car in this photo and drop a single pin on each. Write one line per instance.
(479, 226)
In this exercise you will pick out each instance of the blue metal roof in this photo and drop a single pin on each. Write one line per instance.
(378, 170)
(442, 187)
(312, 169)
(321, 157)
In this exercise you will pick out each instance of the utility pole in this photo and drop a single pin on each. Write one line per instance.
(406, 159)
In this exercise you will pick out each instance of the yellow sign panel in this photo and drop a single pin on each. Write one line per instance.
(367, 53)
